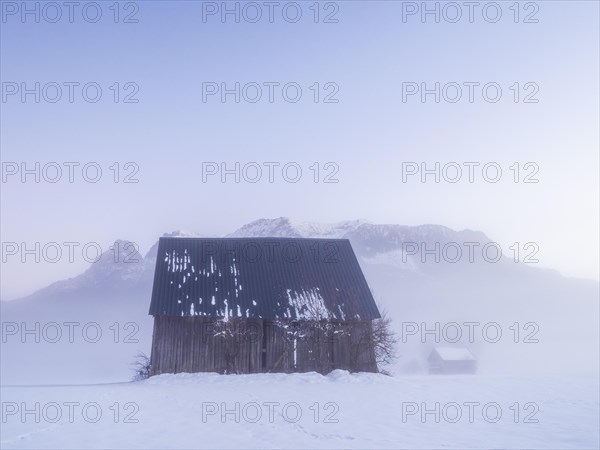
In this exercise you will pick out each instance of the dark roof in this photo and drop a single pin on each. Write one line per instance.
(265, 278)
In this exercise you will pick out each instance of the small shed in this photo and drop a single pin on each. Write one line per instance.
(452, 360)
(249, 305)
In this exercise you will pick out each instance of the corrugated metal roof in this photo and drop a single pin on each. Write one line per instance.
(265, 278)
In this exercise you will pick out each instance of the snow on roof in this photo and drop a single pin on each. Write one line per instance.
(454, 353)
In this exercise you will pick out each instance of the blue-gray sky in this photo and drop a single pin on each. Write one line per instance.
(369, 133)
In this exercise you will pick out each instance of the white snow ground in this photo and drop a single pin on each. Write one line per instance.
(354, 411)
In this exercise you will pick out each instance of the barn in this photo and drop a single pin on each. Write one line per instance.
(252, 305)
(452, 360)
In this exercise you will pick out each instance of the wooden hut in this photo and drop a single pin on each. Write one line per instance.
(250, 305)
(452, 360)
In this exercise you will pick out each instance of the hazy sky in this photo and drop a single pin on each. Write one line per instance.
(365, 57)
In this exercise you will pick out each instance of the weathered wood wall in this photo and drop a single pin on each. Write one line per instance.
(197, 344)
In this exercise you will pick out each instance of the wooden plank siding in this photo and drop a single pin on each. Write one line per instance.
(198, 344)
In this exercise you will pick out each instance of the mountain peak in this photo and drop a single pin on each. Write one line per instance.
(286, 227)
(181, 233)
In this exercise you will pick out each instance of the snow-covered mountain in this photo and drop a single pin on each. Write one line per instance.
(117, 289)
(353, 229)
(124, 268)
(368, 239)
(285, 227)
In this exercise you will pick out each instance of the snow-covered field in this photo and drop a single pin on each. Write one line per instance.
(340, 410)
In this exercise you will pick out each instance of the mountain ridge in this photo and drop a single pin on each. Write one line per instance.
(124, 264)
